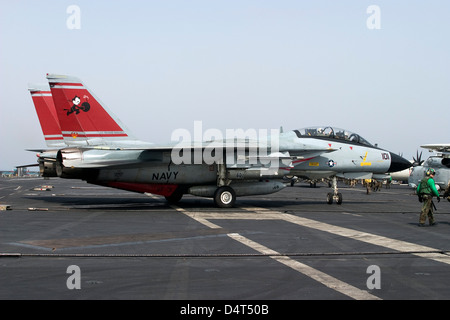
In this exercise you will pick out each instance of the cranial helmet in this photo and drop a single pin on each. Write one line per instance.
(430, 172)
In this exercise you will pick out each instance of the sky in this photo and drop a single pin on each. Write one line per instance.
(383, 73)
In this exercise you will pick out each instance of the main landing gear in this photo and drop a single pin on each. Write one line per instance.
(225, 197)
(335, 195)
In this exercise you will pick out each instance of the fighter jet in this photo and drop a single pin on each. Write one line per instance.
(440, 162)
(101, 150)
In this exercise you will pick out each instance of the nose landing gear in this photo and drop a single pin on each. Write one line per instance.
(335, 195)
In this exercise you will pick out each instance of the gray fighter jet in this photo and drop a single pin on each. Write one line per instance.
(101, 150)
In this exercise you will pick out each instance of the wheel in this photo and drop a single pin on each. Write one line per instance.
(339, 198)
(174, 197)
(329, 198)
(225, 197)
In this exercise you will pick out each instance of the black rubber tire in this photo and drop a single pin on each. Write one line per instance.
(329, 198)
(339, 199)
(175, 197)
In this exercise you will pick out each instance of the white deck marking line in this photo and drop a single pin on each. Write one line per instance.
(308, 271)
(317, 275)
(197, 216)
(398, 245)
(267, 214)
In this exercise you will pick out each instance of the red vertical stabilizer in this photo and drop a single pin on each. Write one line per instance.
(45, 109)
(84, 120)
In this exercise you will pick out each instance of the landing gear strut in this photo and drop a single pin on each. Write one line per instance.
(335, 195)
(225, 196)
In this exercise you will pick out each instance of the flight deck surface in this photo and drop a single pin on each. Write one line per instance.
(290, 245)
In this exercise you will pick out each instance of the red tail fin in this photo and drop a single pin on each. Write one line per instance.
(45, 109)
(82, 117)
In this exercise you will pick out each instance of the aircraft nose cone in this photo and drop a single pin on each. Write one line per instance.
(398, 163)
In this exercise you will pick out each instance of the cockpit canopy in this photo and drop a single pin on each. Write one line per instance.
(331, 133)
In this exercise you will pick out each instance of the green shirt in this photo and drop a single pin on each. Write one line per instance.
(427, 186)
